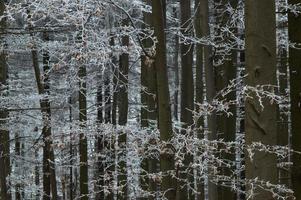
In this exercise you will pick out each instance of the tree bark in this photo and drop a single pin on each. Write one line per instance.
(199, 79)
(83, 153)
(100, 142)
(283, 132)
(164, 112)
(187, 97)
(295, 77)
(226, 125)
(123, 115)
(204, 53)
(260, 124)
(149, 110)
(49, 176)
(4, 133)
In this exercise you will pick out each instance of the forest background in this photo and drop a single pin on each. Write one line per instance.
(150, 99)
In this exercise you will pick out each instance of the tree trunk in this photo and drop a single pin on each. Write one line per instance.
(295, 77)
(187, 97)
(123, 115)
(204, 55)
(164, 112)
(283, 138)
(46, 85)
(49, 176)
(100, 143)
(199, 79)
(144, 121)
(19, 185)
(83, 152)
(71, 184)
(226, 125)
(260, 124)
(109, 141)
(149, 110)
(4, 134)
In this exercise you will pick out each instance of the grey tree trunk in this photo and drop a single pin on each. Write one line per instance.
(260, 124)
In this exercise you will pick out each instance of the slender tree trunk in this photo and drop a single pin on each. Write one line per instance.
(187, 96)
(144, 121)
(187, 93)
(295, 77)
(100, 143)
(164, 112)
(177, 79)
(282, 116)
(49, 177)
(109, 142)
(123, 115)
(203, 30)
(4, 134)
(199, 80)
(46, 86)
(152, 117)
(71, 190)
(260, 124)
(107, 95)
(227, 124)
(149, 112)
(83, 152)
(18, 153)
(115, 90)
(144, 106)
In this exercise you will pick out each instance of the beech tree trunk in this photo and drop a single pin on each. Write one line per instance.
(260, 123)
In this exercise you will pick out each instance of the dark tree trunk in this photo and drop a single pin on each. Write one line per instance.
(49, 176)
(100, 143)
(187, 97)
(164, 112)
(295, 77)
(4, 134)
(123, 115)
(260, 123)
(83, 153)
